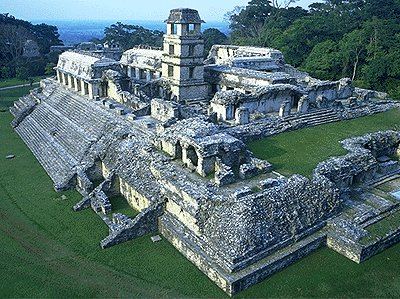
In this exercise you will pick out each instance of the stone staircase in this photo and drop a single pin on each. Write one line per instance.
(51, 155)
(60, 131)
(78, 111)
(23, 103)
(315, 118)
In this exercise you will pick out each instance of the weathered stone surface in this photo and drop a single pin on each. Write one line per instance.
(143, 130)
(155, 238)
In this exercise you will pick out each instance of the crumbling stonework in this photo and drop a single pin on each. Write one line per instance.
(166, 132)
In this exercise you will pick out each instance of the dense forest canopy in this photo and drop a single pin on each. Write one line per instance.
(14, 34)
(129, 36)
(359, 39)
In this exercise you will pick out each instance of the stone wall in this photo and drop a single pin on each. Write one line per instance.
(144, 223)
(134, 198)
(250, 225)
(164, 110)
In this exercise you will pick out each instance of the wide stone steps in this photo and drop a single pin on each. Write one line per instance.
(60, 130)
(83, 115)
(22, 104)
(64, 133)
(316, 118)
(50, 154)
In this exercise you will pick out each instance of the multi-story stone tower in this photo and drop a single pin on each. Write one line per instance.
(182, 62)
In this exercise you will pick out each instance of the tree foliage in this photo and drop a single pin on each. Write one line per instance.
(359, 39)
(129, 36)
(14, 34)
(213, 36)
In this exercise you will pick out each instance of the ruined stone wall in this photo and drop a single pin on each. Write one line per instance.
(250, 225)
(174, 207)
(269, 103)
(135, 199)
(379, 143)
(164, 110)
(144, 223)
(330, 90)
(360, 164)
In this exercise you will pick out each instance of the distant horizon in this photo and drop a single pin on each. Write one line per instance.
(95, 10)
(110, 20)
(73, 32)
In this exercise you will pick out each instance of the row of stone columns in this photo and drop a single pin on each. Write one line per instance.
(84, 88)
(133, 72)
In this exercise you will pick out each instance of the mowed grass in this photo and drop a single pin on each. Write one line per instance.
(120, 205)
(47, 250)
(10, 95)
(15, 81)
(300, 151)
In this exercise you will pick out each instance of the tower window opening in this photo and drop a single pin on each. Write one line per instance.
(173, 28)
(170, 71)
(171, 49)
(191, 28)
(191, 72)
(191, 50)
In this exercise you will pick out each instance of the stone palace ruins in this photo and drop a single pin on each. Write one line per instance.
(166, 129)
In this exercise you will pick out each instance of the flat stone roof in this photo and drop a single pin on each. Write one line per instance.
(81, 65)
(184, 15)
(142, 58)
(242, 72)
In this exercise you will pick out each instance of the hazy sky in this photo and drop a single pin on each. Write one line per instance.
(211, 10)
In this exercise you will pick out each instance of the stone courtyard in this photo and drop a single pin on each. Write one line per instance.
(167, 131)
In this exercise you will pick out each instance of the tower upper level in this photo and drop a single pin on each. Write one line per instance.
(184, 22)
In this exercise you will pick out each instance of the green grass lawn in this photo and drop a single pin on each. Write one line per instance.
(16, 81)
(120, 205)
(48, 250)
(300, 151)
(10, 95)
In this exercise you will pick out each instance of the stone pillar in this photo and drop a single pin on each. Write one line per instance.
(303, 105)
(83, 87)
(90, 91)
(137, 73)
(129, 72)
(284, 110)
(65, 76)
(205, 166)
(242, 116)
(148, 75)
(76, 84)
(71, 82)
(58, 76)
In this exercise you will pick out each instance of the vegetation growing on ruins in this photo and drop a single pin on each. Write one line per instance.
(300, 151)
(14, 34)
(333, 39)
(50, 251)
(381, 228)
